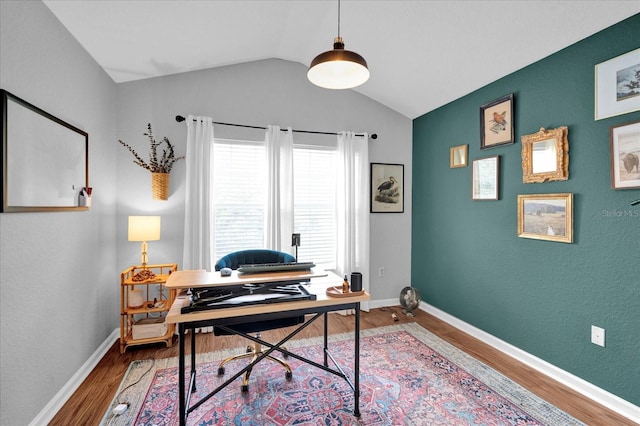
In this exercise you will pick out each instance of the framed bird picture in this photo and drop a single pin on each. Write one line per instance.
(387, 188)
(496, 123)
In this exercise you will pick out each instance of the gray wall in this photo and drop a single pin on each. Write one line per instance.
(59, 288)
(257, 93)
(58, 274)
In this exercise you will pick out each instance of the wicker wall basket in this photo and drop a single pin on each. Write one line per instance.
(160, 186)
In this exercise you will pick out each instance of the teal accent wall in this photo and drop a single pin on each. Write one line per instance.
(540, 296)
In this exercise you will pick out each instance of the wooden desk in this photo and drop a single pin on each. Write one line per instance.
(320, 281)
(199, 279)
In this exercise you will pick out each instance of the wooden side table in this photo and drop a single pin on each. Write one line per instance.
(144, 305)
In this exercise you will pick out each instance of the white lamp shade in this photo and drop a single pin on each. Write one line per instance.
(144, 228)
(338, 75)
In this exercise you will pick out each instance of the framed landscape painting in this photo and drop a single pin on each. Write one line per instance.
(387, 188)
(546, 217)
(617, 89)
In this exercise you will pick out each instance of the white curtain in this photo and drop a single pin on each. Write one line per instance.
(279, 204)
(198, 212)
(352, 207)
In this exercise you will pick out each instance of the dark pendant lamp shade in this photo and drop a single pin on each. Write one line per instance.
(338, 68)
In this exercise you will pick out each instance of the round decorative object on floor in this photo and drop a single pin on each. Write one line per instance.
(409, 300)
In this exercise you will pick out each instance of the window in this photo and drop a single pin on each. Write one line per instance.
(314, 199)
(239, 190)
(238, 196)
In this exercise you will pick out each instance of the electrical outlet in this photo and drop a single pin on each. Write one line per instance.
(381, 271)
(597, 336)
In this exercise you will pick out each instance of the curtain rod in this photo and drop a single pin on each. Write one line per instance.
(180, 119)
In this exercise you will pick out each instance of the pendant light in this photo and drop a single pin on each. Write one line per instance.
(338, 68)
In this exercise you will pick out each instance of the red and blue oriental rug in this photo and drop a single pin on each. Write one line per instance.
(408, 377)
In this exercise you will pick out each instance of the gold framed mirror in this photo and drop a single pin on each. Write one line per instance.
(545, 155)
(458, 156)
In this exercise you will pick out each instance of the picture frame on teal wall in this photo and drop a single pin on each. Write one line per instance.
(545, 155)
(458, 156)
(625, 155)
(387, 188)
(617, 85)
(546, 217)
(496, 123)
(485, 178)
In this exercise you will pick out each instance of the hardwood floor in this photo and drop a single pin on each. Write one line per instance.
(91, 400)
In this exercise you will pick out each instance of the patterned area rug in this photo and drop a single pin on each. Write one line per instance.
(408, 377)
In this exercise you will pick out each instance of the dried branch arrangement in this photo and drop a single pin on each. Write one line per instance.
(155, 165)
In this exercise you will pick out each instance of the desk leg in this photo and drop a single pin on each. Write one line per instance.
(356, 366)
(181, 396)
(192, 386)
(326, 339)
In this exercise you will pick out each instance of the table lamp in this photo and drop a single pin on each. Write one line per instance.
(144, 228)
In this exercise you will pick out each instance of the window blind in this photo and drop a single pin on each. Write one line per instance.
(239, 191)
(238, 196)
(314, 204)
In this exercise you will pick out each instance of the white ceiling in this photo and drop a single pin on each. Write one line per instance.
(421, 54)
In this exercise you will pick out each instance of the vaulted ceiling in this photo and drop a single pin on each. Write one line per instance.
(421, 54)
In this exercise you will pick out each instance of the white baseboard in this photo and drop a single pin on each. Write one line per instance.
(599, 395)
(383, 303)
(63, 395)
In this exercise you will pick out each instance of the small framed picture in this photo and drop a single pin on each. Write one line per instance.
(496, 123)
(485, 178)
(618, 85)
(387, 188)
(546, 217)
(625, 156)
(458, 156)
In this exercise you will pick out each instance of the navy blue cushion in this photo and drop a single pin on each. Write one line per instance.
(256, 257)
(253, 257)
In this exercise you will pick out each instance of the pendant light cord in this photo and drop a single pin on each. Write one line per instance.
(338, 18)
(338, 68)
